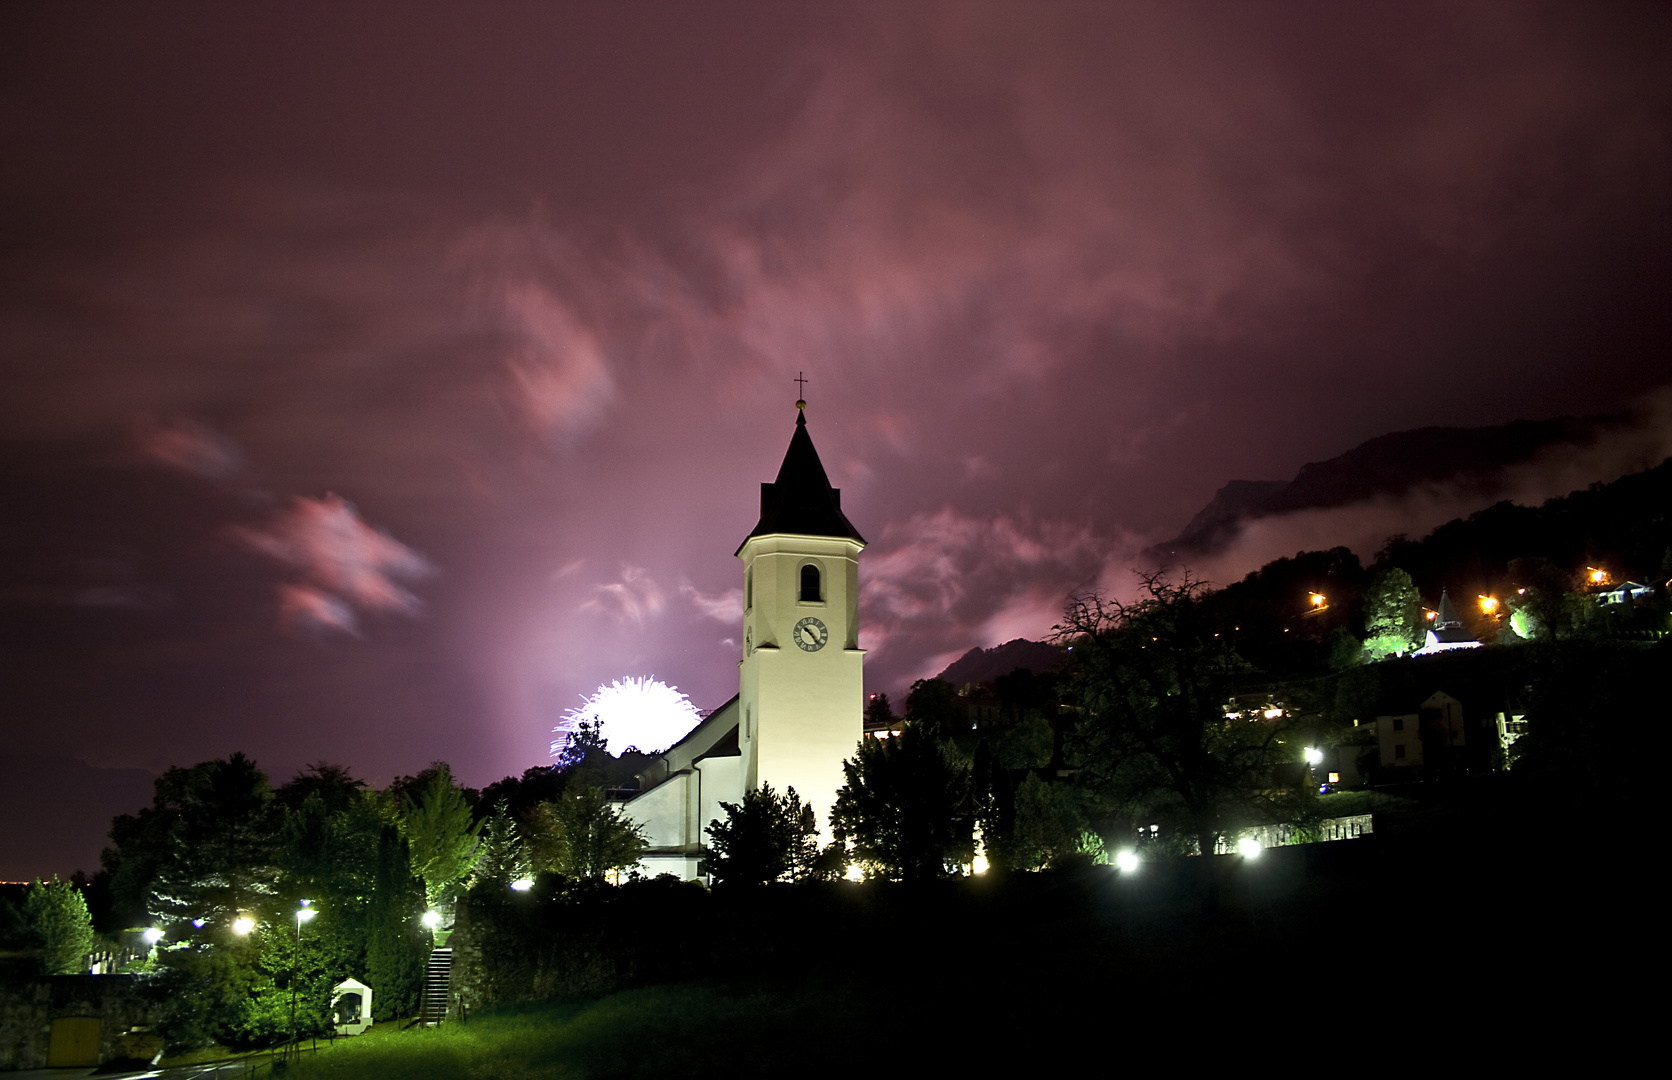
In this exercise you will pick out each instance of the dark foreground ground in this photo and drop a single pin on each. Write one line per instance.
(1462, 947)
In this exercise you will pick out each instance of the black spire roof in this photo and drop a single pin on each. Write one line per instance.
(801, 500)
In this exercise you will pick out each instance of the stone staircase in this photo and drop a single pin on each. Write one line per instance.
(438, 984)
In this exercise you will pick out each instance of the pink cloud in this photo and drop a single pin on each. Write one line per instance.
(190, 447)
(343, 562)
(302, 607)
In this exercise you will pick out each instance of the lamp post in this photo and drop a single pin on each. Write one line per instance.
(303, 914)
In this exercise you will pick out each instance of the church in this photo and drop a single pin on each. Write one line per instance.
(799, 709)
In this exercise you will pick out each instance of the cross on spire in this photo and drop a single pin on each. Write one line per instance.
(800, 381)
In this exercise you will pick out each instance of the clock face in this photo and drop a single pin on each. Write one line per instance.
(811, 634)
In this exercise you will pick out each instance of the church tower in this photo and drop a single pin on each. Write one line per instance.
(801, 686)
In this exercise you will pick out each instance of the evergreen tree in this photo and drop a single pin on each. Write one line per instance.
(504, 853)
(441, 832)
(1393, 621)
(60, 924)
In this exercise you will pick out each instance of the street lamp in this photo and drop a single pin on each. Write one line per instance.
(303, 914)
(242, 925)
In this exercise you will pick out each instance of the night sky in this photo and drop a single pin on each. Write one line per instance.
(376, 380)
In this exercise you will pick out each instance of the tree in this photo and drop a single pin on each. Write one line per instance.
(904, 809)
(442, 834)
(1392, 615)
(1153, 678)
(583, 836)
(60, 924)
(504, 853)
(767, 837)
(205, 848)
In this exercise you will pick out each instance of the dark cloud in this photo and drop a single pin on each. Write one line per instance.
(528, 285)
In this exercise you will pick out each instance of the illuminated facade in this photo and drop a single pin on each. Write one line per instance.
(799, 711)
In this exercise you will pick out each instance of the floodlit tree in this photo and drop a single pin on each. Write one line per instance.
(903, 811)
(59, 921)
(504, 853)
(1154, 740)
(442, 834)
(1392, 615)
(767, 837)
(582, 835)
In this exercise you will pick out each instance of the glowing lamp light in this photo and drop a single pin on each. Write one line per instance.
(1489, 605)
(431, 919)
(1273, 714)
(1430, 615)
(153, 935)
(1318, 599)
(522, 884)
(242, 925)
(1597, 576)
(1126, 861)
(197, 923)
(855, 873)
(1248, 848)
(1314, 756)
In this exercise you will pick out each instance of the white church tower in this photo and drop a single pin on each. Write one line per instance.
(800, 706)
(802, 684)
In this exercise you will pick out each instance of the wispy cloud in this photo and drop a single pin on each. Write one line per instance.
(725, 607)
(344, 564)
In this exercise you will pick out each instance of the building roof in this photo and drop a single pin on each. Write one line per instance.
(801, 501)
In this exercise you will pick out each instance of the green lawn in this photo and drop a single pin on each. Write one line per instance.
(684, 1030)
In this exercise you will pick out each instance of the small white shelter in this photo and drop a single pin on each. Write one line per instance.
(351, 1004)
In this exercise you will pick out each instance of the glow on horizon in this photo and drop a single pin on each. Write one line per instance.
(639, 712)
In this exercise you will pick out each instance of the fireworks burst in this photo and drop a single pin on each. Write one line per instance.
(638, 712)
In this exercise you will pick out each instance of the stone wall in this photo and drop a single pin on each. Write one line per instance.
(29, 1005)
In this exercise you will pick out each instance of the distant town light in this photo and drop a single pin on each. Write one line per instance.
(1273, 713)
(153, 935)
(1248, 848)
(1314, 756)
(242, 925)
(1126, 861)
(522, 884)
(432, 919)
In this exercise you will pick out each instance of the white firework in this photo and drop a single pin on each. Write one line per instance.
(638, 712)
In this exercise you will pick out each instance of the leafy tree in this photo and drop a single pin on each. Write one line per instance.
(1392, 615)
(767, 837)
(934, 704)
(583, 836)
(59, 922)
(1051, 819)
(878, 712)
(903, 811)
(1154, 740)
(441, 832)
(204, 849)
